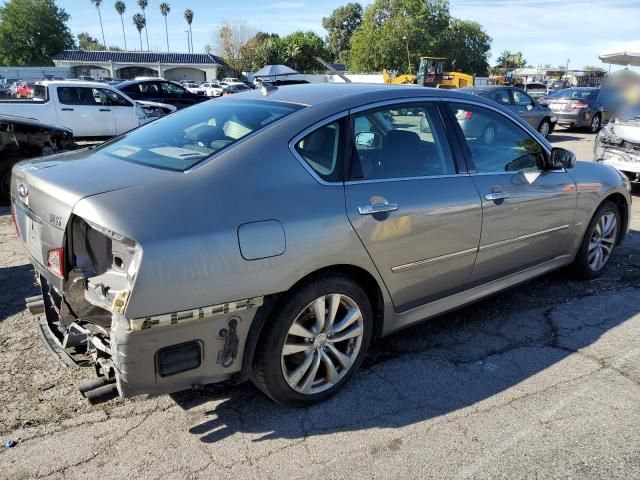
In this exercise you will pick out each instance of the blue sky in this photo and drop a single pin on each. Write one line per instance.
(546, 31)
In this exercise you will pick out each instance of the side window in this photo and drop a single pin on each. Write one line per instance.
(521, 99)
(500, 96)
(113, 99)
(497, 144)
(400, 142)
(79, 96)
(171, 88)
(323, 151)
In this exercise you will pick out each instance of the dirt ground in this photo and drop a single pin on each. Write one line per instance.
(541, 381)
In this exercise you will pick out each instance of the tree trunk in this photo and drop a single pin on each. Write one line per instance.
(146, 32)
(140, 33)
(166, 31)
(104, 42)
(124, 37)
(191, 37)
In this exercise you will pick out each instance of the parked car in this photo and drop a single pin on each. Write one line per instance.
(231, 80)
(212, 89)
(89, 109)
(25, 90)
(536, 90)
(581, 107)
(163, 91)
(258, 248)
(13, 88)
(618, 143)
(194, 87)
(4, 90)
(538, 116)
(231, 88)
(22, 138)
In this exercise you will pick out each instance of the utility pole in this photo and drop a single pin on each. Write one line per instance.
(406, 41)
(568, 60)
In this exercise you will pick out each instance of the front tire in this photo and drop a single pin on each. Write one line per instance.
(596, 123)
(599, 242)
(544, 128)
(314, 342)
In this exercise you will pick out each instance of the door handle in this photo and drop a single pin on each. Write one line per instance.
(105, 109)
(67, 109)
(378, 208)
(496, 196)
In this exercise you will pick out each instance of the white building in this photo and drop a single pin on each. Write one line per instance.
(126, 65)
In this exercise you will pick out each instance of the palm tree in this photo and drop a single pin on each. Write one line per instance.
(164, 10)
(97, 3)
(143, 5)
(140, 23)
(188, 16)
(120, 8)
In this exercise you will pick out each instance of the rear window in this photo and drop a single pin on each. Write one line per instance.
(182, 140)
(577, 94)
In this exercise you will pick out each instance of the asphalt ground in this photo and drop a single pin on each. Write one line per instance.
(541, 381)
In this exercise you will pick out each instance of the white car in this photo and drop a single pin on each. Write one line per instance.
(231, 80)
(194, 87)
(89, 109)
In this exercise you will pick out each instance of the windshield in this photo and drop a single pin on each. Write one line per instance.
(577, 93)
(186, 138)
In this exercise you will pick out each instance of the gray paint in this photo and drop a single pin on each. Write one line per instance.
(261, 239)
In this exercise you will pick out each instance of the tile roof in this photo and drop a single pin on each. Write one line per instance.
(137, 57)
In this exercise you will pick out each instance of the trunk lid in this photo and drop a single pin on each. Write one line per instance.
(44, 192)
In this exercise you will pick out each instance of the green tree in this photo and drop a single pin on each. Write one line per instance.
(389, 27)
(466, 46)
(120, 9)
(140, 23)
(508, 59)
(300, 49)
(32, 32)
(340, 26)
(188, 16)
(164, 10)
(143, 4)
(97, 3)
(87, 42)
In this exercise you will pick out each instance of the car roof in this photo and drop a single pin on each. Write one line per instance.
(70, 83)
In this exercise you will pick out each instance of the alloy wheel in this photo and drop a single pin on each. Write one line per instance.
(488, 135)
(602, 241)
(544, 129)
(595, 123)
(322, 344)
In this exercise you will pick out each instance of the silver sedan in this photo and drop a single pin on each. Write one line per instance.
(274, 235)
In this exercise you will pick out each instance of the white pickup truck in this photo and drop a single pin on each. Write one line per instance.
(89, 109)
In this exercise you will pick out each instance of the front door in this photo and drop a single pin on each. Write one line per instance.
(524, 106)
(527, 212)
(416, 212)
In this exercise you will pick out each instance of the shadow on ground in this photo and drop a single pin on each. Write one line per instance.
(448, 363)
(16, 284)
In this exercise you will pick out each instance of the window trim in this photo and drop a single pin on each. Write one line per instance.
(338, 117)
(447, 103)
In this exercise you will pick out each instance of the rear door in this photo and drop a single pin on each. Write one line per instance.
(83, 110)
(124, 112)
(413, 205)
(528, 213)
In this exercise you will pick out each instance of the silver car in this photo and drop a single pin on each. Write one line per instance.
(264, 236)
(540, 117)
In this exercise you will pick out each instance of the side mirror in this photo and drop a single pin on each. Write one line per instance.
(366, 139)
(561, 158)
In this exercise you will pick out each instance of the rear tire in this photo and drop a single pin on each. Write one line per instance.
(599, 242)
(301, 360)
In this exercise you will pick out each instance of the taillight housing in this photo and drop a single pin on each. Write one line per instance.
(55, 262)
(579, 105)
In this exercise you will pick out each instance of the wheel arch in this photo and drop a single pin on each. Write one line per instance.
(361, 276)
(623, 206)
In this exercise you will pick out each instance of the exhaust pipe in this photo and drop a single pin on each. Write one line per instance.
(92, 384)
(35, 305)
(102, 394)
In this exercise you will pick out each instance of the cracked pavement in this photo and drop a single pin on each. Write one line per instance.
(541, 381)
